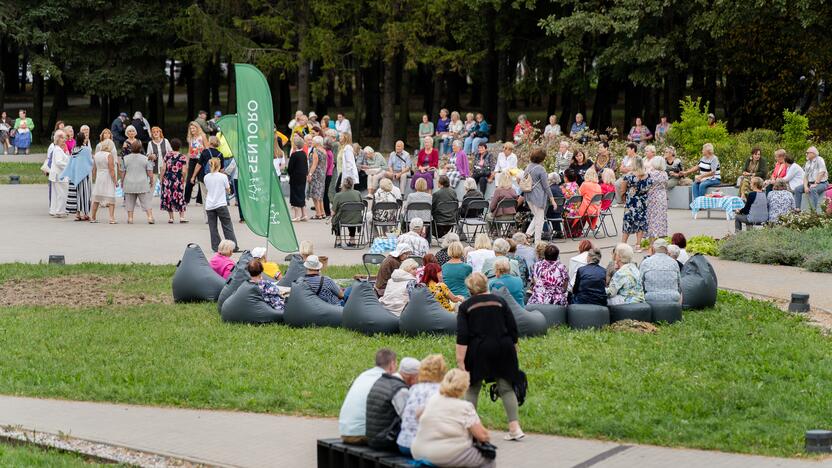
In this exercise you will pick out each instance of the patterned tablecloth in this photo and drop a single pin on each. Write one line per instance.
(383, 245)
(727, 204)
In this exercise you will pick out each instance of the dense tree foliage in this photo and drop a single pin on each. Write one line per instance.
(748, 59)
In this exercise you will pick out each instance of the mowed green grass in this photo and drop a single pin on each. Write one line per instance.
(29, 172)
(26, 456)
(742, 377)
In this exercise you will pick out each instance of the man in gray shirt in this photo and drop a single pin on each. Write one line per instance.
(815, 180)
(398, 166)
(660, 275)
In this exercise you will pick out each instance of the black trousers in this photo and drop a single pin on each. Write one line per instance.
(482, 181)
(327, 208)
(224, 218)
(236, 186)
(189, 187)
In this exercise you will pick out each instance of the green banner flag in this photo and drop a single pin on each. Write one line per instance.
(264, 207)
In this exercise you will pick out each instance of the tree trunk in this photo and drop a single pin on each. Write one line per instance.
(453, 82)
(95, 101)
(602, 108)
(303, 85)
(346, 99)
(551, 105)
(388, 107)
(231, 90)
(188, 73)
(215, 81)
(104, 113)
(204, 81)
(502, 107)
(285, 93)
(476, 98)
(358, 100)
(372, 98)
(3, 42)
(404, 103)
(172, 84)
(710, 89)
(426, 80)
(37, 89)
(436, 102)
(330, 90)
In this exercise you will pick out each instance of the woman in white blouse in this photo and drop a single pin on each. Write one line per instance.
(553, 128)
(346, 158)
(506, 160)
(794, 174)
(59, 186)
(483, 250)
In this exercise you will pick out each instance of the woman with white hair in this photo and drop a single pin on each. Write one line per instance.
(482, 251)
(635, 186)
(221, 262)
(506, 159)
(397, 291)
(59, 186)
(625, 285)
(346, 158)
(316, 177)
(442, 256)
(709, 173)
(501, 248)
(657, 200)
(472, 192)
(457, 167)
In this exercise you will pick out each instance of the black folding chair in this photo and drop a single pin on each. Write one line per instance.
(504, 227)
(450, 206)
(589, 218)
(360, 227)
(608, 214)
(388, 210)
(420, 206)
(474, 220)
(572, 224)
(371, 259)
(555, 221)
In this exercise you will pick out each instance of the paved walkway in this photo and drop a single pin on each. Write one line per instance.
(32, 236)
(257, 440)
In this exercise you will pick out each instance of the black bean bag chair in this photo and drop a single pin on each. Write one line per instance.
(669, 312)
(555, 314)
(247, 305)
(583, 316)
(305, 309)
(529, 322)
(364, 313)
(238, 276)
(424, 314)
(295, 271)
(639, 311)
(699, 283)
(194, 279)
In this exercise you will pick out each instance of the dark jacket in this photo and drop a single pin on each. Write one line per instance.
(117, 128)
(762, 168)
(383, 423)
(447, 214)
(469, 195)
(298, 168)
(556, 193)
(388, 266)
(590, 285)
(486, 325)
(499, 195)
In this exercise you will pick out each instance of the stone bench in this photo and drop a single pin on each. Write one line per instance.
(334, 453)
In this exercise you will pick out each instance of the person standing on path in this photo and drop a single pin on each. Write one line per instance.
(657, 199)
(59, 187)
(136, 175)
(216, 204)
(197, 141)
(486, 346)
(104, 173)
(79, 170)
(173, 173)
(23, 127)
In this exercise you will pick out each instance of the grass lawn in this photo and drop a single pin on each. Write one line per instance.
(26, 456)
(29, 172)
(742, 377)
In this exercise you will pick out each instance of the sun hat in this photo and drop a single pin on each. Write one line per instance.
(312, 263)
(400, 249)
(258, 252)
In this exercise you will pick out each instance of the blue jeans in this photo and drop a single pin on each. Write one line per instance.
(467, 145)
(475, 142)
(699, 189)
(445, 147)
(816, 194)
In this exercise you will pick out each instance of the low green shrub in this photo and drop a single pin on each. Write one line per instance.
(804, 220)
(705, 245)
(782, 246)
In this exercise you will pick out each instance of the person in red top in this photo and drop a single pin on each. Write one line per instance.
(427, 161)
(607, 186)
(780, 169)
(523, 130)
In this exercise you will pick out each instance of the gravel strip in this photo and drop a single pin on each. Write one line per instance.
(96, 451)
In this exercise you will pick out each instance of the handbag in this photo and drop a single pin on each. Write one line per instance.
(486, 449)
(521, 387)
(525, 183)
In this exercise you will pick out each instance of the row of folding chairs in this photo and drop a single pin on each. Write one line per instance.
(573, 226)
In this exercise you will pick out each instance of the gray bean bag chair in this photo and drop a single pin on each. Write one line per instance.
(293, 272)
(423, 314)
(669, 312)
(639, 311)
(194, 279)
(555, 314)
(247, 305)
(583, 316)
(529, 322)
(364, 313)
(699, 283)
(305, 309)
(238, 276)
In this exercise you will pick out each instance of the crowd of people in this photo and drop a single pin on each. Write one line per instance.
(16, 134)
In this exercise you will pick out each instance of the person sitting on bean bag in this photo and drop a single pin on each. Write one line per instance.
(389, 265)
(504, 278)
(625, 285)
(323, 286)
(432, 278)
(221, 262)
(267, 288)
(269, 268)
(590, 281)
(402, 281)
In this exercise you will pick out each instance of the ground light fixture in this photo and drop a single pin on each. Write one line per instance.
(56, 260)
(799, 303)
(14, 179)
(819, 441)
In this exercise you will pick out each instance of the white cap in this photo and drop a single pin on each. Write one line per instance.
(258, 252)
(416, 223)
(409, 366)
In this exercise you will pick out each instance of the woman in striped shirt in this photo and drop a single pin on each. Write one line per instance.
(708, 168)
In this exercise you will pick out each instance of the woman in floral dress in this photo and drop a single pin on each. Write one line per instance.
(174, 173)
(657, 200)
(550, 279)
(636, 186)
(570, 188)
